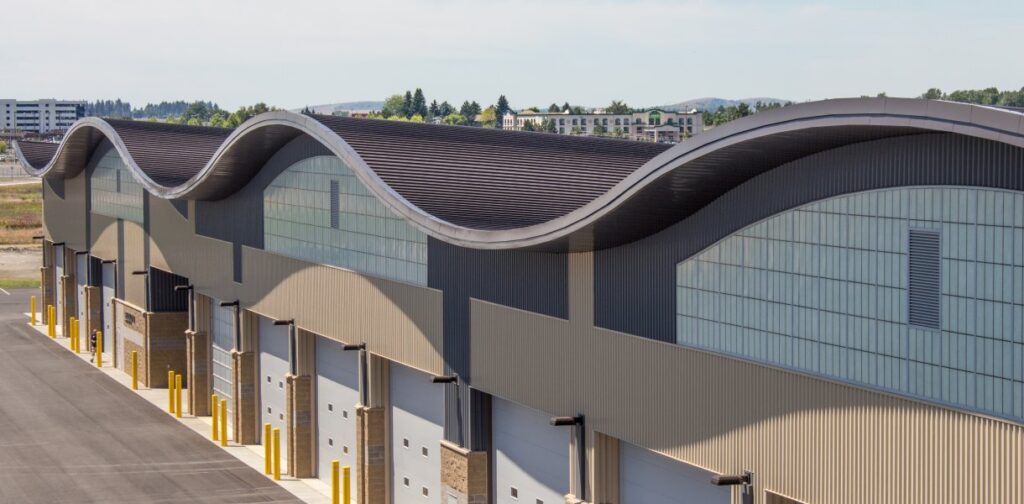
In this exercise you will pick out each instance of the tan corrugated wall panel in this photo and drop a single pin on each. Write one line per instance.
(398, 321)
(64, 218)
(815, 440)
(103, 242)
(134, 260)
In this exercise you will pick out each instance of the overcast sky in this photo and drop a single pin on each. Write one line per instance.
(648, 52)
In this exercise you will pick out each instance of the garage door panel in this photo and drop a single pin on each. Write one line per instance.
(107, 293)
(417, 427)
(648, 476)
(58, 255)
(223, 341)
(337, 390)
(273, 369)
(531, 457)
(81, 280)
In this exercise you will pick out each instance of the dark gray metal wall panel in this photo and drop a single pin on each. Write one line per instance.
(634, 284)
(239, 217)
(162, 296)
(533, 281)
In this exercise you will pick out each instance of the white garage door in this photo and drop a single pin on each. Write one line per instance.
(109, 291)
(223, 325)
(417, 427)
(337, 393)
(531, 456)
(58, 260)
(273, 370)
(81, 281)
(647, 476)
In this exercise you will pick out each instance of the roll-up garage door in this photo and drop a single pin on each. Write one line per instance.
(273, 370)
(81, 281)
(417, 427)
(647, 476)
(337, 393)
(531, 457)
(108, 292)
(58, 261)
(223, 341)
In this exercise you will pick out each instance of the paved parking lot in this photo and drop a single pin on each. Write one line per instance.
(68, 433)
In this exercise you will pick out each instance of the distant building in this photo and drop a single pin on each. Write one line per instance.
(40, 116)
(651, 125)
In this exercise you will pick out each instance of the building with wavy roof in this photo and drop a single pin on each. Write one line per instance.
(822, 303)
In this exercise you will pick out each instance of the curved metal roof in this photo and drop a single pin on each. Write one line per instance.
(498, 190)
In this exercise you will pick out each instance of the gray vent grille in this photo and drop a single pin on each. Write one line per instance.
(117, 181)
(925, 282)
(335, 205)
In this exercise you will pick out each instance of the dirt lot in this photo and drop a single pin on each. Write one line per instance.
(20, 219)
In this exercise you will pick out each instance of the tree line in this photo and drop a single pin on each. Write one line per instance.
(988, 96)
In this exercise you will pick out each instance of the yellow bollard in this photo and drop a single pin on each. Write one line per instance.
(99, 349)
(32, 309)
(135, 370)
(214, 403)
(73, 327)
(51, 315)
(268, 463)
(223, 422)
(177, 396)
(335, 483)
(346, 484)
(277, 454)
(170, 392)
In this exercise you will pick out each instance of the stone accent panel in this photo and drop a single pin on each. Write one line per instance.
(371, 449)
(197, 356)
(165, 346)
(464, 474)
(67, 293)
(93, 311)
(246, 418)
(300, 426)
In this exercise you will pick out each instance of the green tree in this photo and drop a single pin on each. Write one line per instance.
(528, 126)
(3, 147)
(489, 117)
(455, 120)
(434, 109)
(932, 94)
(419, 104)
(549, 126)
(218, 119)
(407, 110)
(600, 130)
(445, 109)
(618, 107)
(566, 107)
(554, 108)
(393, 105)
(500, 109)
(469, 110)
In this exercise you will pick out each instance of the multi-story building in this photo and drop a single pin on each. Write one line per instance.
(818, 304)
(650, 125)
(40, 116)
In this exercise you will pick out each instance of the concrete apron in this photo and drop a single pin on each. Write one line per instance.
(310, 490)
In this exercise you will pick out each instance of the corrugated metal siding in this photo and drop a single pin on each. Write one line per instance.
(635, 283)
(534, 281)
(398, 321)
(162, 296)
(817, 441)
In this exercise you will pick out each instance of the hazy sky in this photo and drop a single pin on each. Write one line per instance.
(648, 52)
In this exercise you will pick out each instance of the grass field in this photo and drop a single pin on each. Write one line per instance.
(21, 209)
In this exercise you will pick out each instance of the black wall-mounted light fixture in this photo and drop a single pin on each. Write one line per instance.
(140, 272)
(580, 433)
(39, 237)
(563, 421)
(235, 303)
(278, 322)
(444, 379)
(746, 479)
(178, 288)
(353, 346)
(81, 252)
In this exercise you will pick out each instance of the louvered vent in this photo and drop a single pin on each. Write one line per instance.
(335, 205)
(117, 181)
(924, 286)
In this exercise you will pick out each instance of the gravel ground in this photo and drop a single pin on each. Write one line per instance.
(19, 262)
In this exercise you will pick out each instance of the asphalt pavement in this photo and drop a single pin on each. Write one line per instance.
(69, 433)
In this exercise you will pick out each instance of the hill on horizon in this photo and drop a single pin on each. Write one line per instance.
(711, 103)
(329, 108)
